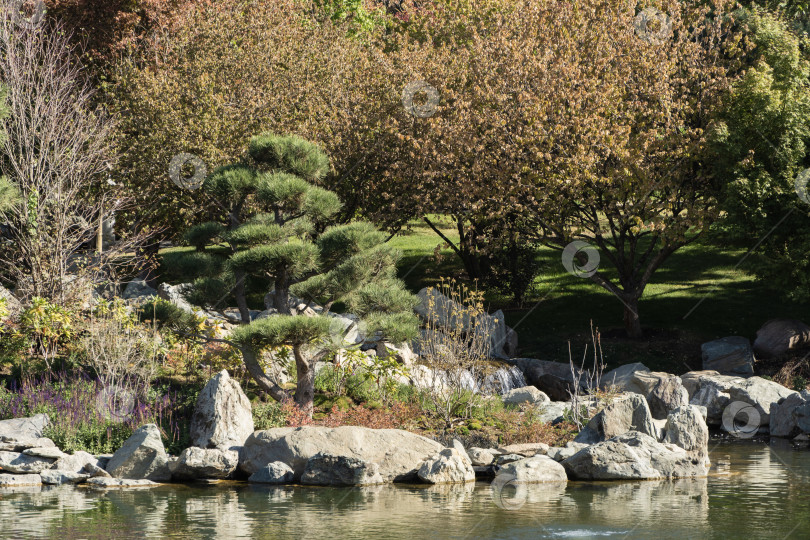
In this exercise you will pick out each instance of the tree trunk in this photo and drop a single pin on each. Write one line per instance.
(632, 323)
(305, 391)
(281, 293)
(239, 293)
(261, 378)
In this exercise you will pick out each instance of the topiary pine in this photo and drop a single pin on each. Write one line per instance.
(278, 231)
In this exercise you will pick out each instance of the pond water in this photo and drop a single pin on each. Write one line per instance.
(759, 490)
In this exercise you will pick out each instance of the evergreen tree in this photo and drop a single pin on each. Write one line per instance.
(277, 232)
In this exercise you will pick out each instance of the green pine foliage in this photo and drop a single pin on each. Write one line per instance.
(279, 236)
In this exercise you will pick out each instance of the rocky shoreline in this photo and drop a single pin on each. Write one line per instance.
(653, 426)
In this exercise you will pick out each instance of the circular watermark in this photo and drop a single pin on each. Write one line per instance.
(570, 261)
(116, 402)
(741, 419)
(18, 13)
(653, 25)
(195, 181)
(508, 493)
(420, 110)
(802, 180)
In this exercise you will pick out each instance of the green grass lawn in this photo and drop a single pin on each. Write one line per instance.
(561, 306)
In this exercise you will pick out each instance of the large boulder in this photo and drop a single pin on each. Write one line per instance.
(329, 470)
(397, 453)
(717, 392)
(24, 428)
(481, 457)
(138, 291)
(446, 313)
(193, 463)
(553, 411)
(778, 336)
(633, 456)
(620, 377)
(76, 463)
(222, 416)
(13, 305)
(16, 462)
(450, 466)
(57, 478)
(526, 395)
(273, 473)
(17, 480)
(790, 416)
(664, 392)
(687, 429)
(142, 456)
(729, 356)
(552, 378)
(533, 469)
(628, 412)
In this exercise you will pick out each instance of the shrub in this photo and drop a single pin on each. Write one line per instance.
(48, 325)
(80, 418)
(455, 346)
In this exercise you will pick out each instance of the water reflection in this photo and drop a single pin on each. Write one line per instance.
(764, 496)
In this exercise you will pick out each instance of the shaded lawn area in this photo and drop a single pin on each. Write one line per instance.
(561, 306)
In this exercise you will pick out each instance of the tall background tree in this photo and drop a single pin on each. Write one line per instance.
(762, 148)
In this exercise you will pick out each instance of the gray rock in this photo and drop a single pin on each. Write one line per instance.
(729, 356)
(102, 482)
(398, 453)
(139, 291)
(222, 416)
(75, 463)
(552, 378)
(50, 452)
(553, 411)
(196, 463)
(558, 453)
(273, 473)
(524, 449)
(664, 392)
(15, 480)
(526, 395)
(13, 305)
(710, 391)
(24, 428)
(628, 412)
(15, 462)
(620, 377)
(142, 457)
(481, 457)
(19, 444)
(778, 336)
(446, 313)
(687, 429)
(760, 393)
(534, 469)
(331, 470)
(503, 459)
(633, 456)
(95, 471)
(790, 416)
(57, 478)
(450, 466)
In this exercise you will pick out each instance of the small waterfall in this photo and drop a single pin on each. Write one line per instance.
(505, 379)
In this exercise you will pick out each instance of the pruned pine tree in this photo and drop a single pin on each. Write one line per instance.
(278, 230)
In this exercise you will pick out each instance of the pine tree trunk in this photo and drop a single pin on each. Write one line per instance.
(261, 378)
(305, 391)
(239, 293)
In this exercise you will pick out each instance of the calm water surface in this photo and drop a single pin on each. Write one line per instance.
(762, 492)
